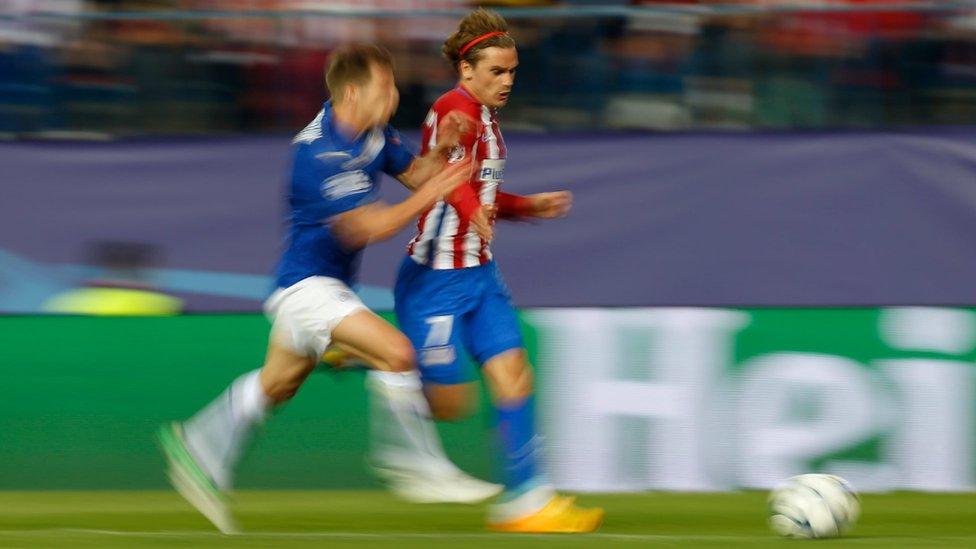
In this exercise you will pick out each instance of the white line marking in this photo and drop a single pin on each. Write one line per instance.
(368, 535)
(440, 535)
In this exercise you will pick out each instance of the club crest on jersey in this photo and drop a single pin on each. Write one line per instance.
(457, 154)
(492, 170)
(345, 184)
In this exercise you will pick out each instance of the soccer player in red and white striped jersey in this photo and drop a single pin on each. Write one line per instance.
(450, 297)
(448, 234)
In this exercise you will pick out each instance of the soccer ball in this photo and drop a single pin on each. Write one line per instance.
(813, 506)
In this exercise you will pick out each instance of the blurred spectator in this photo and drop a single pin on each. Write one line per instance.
(27, 65)
(745, 63)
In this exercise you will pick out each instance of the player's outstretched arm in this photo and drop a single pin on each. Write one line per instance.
(377, 221)
(456, 128)
(541, 205)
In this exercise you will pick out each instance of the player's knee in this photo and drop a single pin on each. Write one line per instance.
(522, 384)
(283, 372)
(282, 390)
(400, 357)
(513, 380)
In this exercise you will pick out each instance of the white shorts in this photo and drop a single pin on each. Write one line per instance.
(305, 314)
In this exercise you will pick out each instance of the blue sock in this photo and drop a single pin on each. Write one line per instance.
(519, 443)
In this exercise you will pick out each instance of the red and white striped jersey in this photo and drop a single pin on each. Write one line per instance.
(445, 238)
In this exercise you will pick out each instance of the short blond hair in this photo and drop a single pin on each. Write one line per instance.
(350, 65)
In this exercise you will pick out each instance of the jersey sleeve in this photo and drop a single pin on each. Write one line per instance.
(512, 206)
(464, 199)
(397, 154)
(321, 188)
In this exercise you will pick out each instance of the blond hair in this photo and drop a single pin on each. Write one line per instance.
(350, 65)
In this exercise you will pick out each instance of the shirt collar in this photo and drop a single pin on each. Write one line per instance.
(337, 136)
(464, 92)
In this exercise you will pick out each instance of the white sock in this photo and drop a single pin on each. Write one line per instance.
(403, 434)
(522, 505)
(218, 434)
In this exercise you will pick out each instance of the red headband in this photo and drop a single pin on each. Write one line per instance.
(471, 44)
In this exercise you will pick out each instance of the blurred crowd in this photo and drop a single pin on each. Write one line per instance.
(135, 67)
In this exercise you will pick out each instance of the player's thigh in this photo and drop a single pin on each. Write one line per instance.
(495, 340)
(370, 336)
(303, 316)
(450, 402)
(437, 337)
(492, 327)
(430, 308)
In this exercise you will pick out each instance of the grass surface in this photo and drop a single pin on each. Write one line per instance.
(376, 519)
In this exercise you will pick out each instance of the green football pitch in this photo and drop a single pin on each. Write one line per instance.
(376, 519)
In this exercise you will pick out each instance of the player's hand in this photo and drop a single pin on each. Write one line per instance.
(491, 211)
(450, 129)
(448, 179)
(483, 220)
(550, 205)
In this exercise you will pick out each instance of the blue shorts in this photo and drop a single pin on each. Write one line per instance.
(448, 311)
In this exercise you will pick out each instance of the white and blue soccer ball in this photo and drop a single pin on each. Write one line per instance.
(813, 506)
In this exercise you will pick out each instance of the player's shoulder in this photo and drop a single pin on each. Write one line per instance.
(313, 131)
(321, 153)
(330, 172)
(314, 142)
(455, 100)
(318, 158)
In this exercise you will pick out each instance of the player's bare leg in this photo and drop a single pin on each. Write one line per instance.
(452, 402)
(530, 503)
(406, 449)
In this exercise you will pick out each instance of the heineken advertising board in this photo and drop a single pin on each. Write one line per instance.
(707, 399)
(629, 400)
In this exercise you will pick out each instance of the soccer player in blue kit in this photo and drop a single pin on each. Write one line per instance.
(334, 213)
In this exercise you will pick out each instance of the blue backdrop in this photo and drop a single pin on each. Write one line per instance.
(676, 219)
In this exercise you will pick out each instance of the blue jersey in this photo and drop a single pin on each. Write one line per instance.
(332, 175)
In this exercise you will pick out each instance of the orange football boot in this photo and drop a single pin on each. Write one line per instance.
(560, 515)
